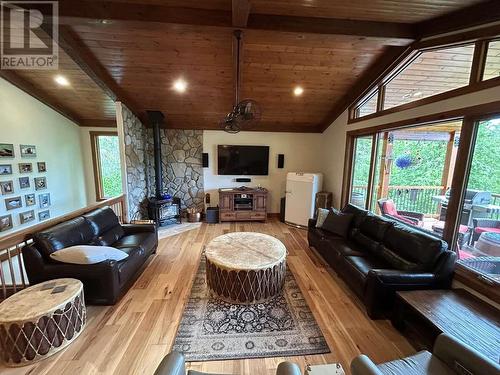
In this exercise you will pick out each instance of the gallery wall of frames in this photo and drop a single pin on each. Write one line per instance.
(24, 189)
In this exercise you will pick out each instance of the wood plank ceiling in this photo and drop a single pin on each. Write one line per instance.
(138, 60)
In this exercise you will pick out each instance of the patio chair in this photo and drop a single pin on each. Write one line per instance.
(388, 209)
(484, 225)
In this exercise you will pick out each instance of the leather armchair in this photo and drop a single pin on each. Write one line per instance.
(174, 364)
(450, 356)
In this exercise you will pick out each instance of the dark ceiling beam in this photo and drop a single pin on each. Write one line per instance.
(15, 79)
(241, 10)
(73, 12)
(384, 64)
(472, 16)
(98, 123)
(85, 59)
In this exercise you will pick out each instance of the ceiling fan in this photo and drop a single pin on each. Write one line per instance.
(245, 112)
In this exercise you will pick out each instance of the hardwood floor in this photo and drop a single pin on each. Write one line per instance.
(133, 336)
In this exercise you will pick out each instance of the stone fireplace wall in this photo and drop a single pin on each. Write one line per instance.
(137, 170)
(181, 165)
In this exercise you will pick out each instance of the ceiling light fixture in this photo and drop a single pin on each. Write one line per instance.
(298, 91)
(180, 85)
(61, 80)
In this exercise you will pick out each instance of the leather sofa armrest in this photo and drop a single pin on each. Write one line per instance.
(288, 368)
(444, 268)
(457, 354)
(139, 228)
(381, 286)
(362, 365)
(311, 223)
(400, 277)
(172, 364)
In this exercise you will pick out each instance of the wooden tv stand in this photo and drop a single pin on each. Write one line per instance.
(243, 204)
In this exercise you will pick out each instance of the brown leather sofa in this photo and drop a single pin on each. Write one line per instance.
(105, 282)
(380, 257)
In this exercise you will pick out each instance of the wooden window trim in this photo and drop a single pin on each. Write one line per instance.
(96, 161)
(475, 81)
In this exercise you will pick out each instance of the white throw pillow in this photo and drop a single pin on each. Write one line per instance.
(322, 214)
(87, 254)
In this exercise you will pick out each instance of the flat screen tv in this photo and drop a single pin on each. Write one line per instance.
(243, 160)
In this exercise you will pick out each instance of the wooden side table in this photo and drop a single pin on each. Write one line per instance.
(41, 320)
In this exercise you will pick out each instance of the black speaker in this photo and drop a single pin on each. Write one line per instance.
(204, 159)
(281, 160)
(243, 179)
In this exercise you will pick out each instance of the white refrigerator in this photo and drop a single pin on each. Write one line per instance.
(300, 192)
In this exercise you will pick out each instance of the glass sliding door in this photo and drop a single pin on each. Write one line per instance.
(361, 165)
(478, 242)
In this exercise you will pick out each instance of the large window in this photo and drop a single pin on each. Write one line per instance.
(428, 72)
(492, 65)
(412, 174)
(107, 168)
(361, 170)
(431, 73)
(478, 241)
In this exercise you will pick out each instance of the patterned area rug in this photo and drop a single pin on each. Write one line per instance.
(215, 330)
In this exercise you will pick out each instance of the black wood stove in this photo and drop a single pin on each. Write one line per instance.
(164, 210)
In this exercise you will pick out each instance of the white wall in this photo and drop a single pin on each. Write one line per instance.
(25, 120)
(87, 157)
(334, 138)
(301, 155)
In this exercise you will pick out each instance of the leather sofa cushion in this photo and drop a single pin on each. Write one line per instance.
(365, 242)
(70, 233)
(346, 248)
(338, 223)
(356, 269)
(421, 363)
(414, 246)
(110, 237)
(359, 214)
(128, 267)
(102, 220)
(398, 262)
(375, 227)
(146, 241)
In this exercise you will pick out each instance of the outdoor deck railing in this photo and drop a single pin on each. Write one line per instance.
(12, 273)
(415, 198)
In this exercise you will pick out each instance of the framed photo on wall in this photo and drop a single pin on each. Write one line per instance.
(7, 187)
(25, 167)
(28, 151)
(40, 183)
(27, 216)
(13, 203)
(44, 200)
(5, 169)
(24, 182)
(42, 167)
(29, 199)
(6, 150)
(5, 222)
(44, 215)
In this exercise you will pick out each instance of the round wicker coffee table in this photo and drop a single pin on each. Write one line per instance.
(41, 320)
(245, 267)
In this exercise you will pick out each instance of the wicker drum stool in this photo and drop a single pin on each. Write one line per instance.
(41, 320)
(245, 267)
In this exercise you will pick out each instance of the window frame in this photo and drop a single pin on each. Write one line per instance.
(475, 80)
(96, 161)
(471, 116)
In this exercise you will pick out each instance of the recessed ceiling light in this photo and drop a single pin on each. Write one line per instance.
(298, 91)
(61, 80)
(180, 85)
